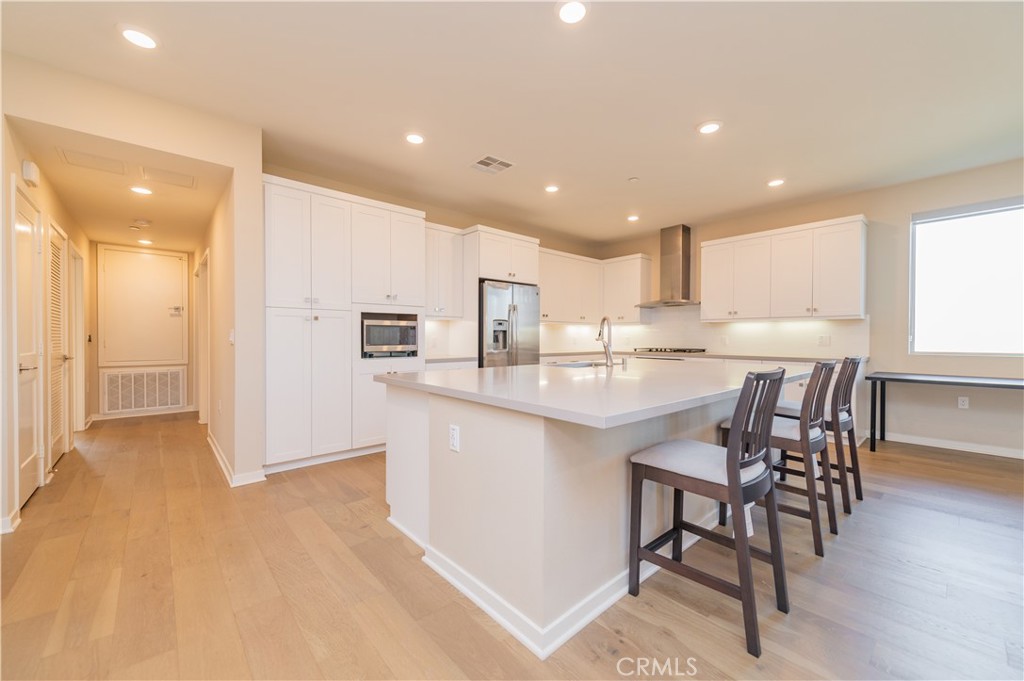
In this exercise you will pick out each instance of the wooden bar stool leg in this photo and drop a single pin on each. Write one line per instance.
(855, 464)
(746, 574)
(635, 504)
(830, 499)
(812, 502)
(722, 514)
(782, 460)
(677, 524)
(844, 477)
(771, 508)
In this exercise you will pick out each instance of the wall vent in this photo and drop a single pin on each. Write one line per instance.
(492, 165)
(142, 390)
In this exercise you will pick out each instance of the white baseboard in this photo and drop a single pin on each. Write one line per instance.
(138, 414)
(542, 641)
(401, 528)
(993, 450)
(10, 523)
(88, 422)
(233, 479)
(323, 458)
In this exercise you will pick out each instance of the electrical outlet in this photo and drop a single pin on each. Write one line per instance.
(453, 437)
(963, 403)
(824, 341)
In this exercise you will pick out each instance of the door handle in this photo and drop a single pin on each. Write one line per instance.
(22, 368)
(66, 358)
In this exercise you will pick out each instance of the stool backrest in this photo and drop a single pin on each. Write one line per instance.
(812, 411)
(842, 394)
(751, 429)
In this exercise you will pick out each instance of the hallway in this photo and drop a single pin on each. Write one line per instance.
(139, 562)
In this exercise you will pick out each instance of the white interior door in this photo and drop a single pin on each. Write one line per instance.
(28, 290)
(57, 342)
(142, 307)
(76, 325)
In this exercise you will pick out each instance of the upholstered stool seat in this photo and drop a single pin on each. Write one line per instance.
(694, 459)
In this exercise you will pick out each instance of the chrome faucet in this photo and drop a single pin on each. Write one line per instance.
(604, 334)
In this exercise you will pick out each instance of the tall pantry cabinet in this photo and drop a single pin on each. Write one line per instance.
(309, 322)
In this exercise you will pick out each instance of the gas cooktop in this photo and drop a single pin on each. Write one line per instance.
(668, 350)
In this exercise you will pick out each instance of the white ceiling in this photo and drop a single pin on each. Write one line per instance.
(833, 97)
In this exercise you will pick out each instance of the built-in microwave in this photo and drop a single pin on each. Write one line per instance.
(390, 335)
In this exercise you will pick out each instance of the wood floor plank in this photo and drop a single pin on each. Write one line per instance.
(247, 578)
(40, 587)
(273, 643)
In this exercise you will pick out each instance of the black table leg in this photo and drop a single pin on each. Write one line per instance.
(872, 433)
(881, 419)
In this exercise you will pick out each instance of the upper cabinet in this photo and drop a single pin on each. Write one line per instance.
(444, 272)
(308, 252)
(627, 282)
(734, 280)
(506, 256)
(813, 270)
(390, 267)
(571, 288)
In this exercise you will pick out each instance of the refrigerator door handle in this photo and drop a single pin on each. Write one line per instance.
(513, 332)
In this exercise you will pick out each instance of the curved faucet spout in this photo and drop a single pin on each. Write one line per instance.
(604, 334)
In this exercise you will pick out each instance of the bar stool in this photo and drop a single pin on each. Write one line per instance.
(735, 474)
(842, 397)
(806, 437)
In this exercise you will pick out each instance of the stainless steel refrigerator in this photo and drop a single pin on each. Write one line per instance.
(509, 324)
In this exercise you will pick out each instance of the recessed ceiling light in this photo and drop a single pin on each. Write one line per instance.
(145, 242)
(551, 189)
(138, 38)
(634, 179)
(633, 218)
(709, 127)
(140, 222)
(413, 138)
(135, 228)
(572, 12)
(777, 183)
(142, 190)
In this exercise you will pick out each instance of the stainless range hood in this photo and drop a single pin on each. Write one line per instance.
(675, 269)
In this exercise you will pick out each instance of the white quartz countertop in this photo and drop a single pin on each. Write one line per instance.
(592, 396)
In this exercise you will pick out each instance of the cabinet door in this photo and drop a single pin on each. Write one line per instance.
(369, 406)
(432, 247)
(626, 284)
(444, 274)
(591, 290)
(408, 260)
(371, 261)
(331, 386)
(287, 243)
(752, 278)
(331, 253)
(792, 270)
(839, 271)
(288, 384)
(716, 282)
(524, 261)
(495, 259)
(552, 289)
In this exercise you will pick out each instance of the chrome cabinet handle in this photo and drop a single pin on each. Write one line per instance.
(307, 300)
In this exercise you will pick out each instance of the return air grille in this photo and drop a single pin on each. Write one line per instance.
(137, 390)
(492, 165)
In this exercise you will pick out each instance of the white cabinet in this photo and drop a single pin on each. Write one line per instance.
(735, 279)
(627, 283)
(508, 257)
(309, 374)
(308, 249)
(369, 398)
(571, 288)
(389, 261)
(444, 294)
(819, 272)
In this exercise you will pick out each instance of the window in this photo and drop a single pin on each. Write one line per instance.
(967, 280)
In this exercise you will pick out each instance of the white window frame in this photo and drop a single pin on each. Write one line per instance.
(997, 206)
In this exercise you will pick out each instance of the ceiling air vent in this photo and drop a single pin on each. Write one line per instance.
(86, 160)
(492, 165)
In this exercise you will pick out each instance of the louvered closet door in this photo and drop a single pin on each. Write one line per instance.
(56, 331)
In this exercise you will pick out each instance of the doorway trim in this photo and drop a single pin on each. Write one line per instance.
(76, 291)
(202, 341)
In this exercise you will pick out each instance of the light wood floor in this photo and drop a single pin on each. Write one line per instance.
(139, 562)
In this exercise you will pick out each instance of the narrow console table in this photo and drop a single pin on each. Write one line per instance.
(879, 379)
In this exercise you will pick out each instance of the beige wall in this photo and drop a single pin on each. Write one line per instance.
(47, 201)
(39, 93)
(994, 423)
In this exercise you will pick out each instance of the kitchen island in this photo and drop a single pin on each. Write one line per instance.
(515, 480)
